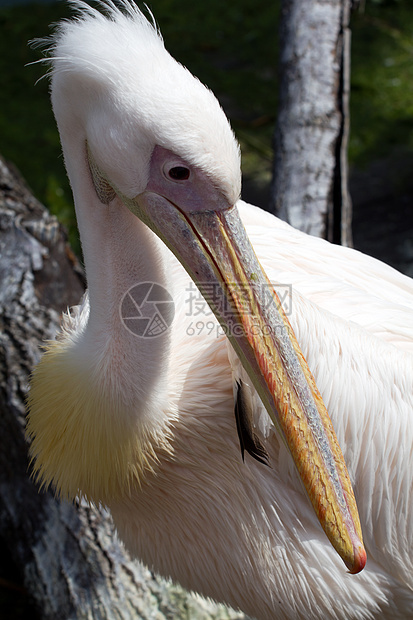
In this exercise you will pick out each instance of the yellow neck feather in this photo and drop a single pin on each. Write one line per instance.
(84, 442)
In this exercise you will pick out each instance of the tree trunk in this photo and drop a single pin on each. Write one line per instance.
(310, 165)
(71, 563)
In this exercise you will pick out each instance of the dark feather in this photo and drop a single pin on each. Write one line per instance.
(248, 439)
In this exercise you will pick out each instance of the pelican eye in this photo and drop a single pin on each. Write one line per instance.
(179, 173)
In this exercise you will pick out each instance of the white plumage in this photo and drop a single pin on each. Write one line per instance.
(241, 533)
(245, 534)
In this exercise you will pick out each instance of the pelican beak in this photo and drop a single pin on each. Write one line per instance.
(214, 249)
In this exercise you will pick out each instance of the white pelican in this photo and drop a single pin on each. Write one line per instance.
(146, 425)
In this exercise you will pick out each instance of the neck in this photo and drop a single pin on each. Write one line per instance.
(120, 253)
(99, 409)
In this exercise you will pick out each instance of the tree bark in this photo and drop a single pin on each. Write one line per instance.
(310, 181)
(71, 562)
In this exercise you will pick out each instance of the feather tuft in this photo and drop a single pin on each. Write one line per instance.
(83, 442)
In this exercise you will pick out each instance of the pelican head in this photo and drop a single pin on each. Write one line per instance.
(142, 136)
(133, 98)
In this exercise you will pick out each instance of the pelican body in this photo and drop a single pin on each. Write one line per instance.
(143, 420)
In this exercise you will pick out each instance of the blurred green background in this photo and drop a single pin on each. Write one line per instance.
(232, 46)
